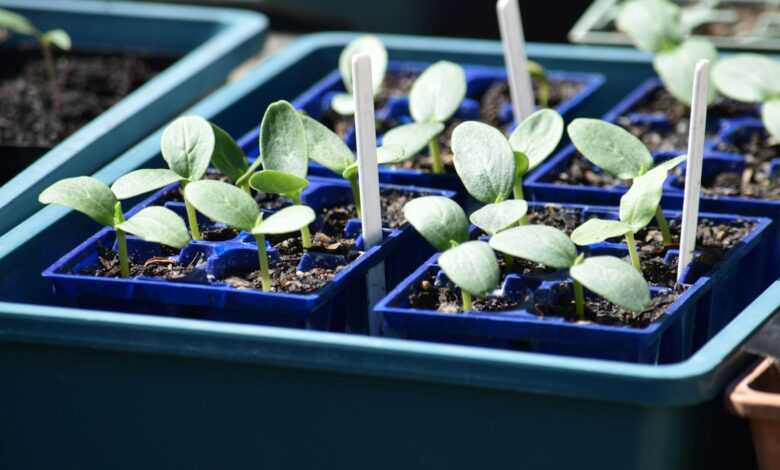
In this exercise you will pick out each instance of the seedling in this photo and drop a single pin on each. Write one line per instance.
(187, 145)
(18, 24)
(95, 200)
(344, 103)
(232, 206)
(434, 98)
(619, 153)
(606, 276)
(752, 78)
(535, 70)
(661, 28)
(471, 265)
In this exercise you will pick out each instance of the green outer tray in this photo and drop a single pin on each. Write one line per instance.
(128, 391)
(213, 40)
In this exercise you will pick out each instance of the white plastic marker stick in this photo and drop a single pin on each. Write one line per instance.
(512, 37)
(368, 175)
(698, 123)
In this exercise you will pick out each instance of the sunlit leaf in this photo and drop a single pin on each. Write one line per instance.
(84, 194)
(440, 220)
(472, 266)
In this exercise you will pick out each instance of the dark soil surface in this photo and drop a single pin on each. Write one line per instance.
(565, 219)
(447, 299)
(88, 83)
(498, 94)
(391, 201)
(581, 172)
(163, 267)
(756, 179)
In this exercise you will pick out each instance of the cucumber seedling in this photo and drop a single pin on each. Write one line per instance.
(752, 78)
(661, 28)
(470, 265)
(607, 276)
(232, 206)
(96, 200)
(18, 24)
(344, 103)
(434, 98)
(622, 155)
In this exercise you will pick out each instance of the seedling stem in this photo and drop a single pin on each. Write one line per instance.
(121, 241)
(435, 151)
(305, 233)
(467, 303)
(262, 255)
(192, 215)
(664, 226)
(632, 250)
(355, 184)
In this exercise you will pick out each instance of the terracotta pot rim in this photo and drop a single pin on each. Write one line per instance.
(744, 400)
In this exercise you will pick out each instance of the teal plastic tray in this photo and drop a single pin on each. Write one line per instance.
(95, 389)
(212, 42)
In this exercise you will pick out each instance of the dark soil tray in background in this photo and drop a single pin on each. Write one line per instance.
(497, 95)
(756, 179)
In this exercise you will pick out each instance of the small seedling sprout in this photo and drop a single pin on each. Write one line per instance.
(435, 97)
(471, 265)
(752, 78)
(18, 24)
(622, 155)
(232, 206)
(606, 276)
(343, 103)
(661, 28)
(96, 200)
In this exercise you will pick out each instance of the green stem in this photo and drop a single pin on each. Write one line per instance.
(192, 218)
(355, 184)
(52, 75)
(632, 251)
(262, 256)
(305, 233)
(435, 154)
(579, 300)
(245, 186)
(467, 305)
(124, 263)
(664, 226)
(517, 188)
(509, 261)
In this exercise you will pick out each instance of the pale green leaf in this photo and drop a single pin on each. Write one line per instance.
(494, 218)
(639, 204)
(537, 136)
(187, 146)
(472, 266)
(610, 147)
(615, 280)
(372, 46)
(389, 154)
(228, 156)
(484, 161)
(750, 78)
(670, 164)
(437, 92)
(652, 25)
(224, 203)
(326, 147)
(598, 230)
(538, 243)
(283, 143)
(440, 220)
(84, 194)
(677, 68)
(143, 181)
(770, 114)
(343, 103)
(16, 23)
(413, 137)
(276, 182)
(288, 220)
(350, 171)
(59, 38)
(158, 225)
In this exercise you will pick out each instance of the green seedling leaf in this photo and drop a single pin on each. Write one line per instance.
(224, 203)
(390, 154)
(770, 114)
(187, 146)
(84, 194)
(652, 25)
(228, 156)
(670, 164)
(413, 137)
(143, 181)
(472, 266)
(16, 23)
(639, 204)
(610, 147)
(677, 66)
(350, 171)
(437, 92)
(750, 78)
(288, 220)
(538, 243)
(598, 230)
(276, 182)
(484, 161)
(372, 46)
(158, 225)
(343, 103)
(440, 220)
(326, 147)
(537, 72)
(615, 280)
(494, 218)
(59, 38)
(537, 136)
(283, 143)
